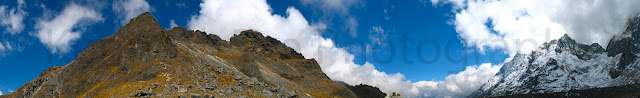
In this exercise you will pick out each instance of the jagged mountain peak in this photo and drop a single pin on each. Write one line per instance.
(568, 43)
(566, 39)
(144, 20)
(143, 24)
(266, 45)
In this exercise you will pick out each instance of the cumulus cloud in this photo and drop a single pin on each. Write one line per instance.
(12, 18)
(172, 23)
(521, 25)
(460, 84)
(59, 33)
(1, 93)
(228, 17)
(130, 8)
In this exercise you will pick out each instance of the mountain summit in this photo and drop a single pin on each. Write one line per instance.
(564, 68)
(143, 60)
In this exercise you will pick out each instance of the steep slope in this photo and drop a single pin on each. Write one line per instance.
(366, 91)
(143, 60)
(569, 69)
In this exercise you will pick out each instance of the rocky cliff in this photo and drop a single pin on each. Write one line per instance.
(143, 60)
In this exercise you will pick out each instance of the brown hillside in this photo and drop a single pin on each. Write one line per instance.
(143, 60)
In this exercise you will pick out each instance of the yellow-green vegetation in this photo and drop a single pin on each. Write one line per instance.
(230, 55)
(113, 69)
(83, 95)
(123, 89)
(296, 60)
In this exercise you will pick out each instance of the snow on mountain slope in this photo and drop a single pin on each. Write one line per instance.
(562, 65)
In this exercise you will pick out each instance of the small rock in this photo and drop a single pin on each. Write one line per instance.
(141, 93)
(267, 93)
(195, 95)
(219, 69)
(155, 85)
(292, 94)
(222, 94)
(211, 87)
(283, 90)
(238, 77)
(182, 90)
(174, 87)
(250, 84)
(229, 90)
(253, 79)
(213, 75)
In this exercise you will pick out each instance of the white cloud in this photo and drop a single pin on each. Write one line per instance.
(376, 29)
(130, 8)
(332, 10)
(181, 5)
(378, 37)
(524, 21)
(386, 15)
(58, 34)
(6, 48)
(0, 92)
(227, 17)
(458, 85)
(333, 6)
(352, 26)
(12, 18)
(457, 4)
(2, 46)
(435, 2)
(172, 23)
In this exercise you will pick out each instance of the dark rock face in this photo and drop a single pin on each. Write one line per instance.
(627, 44)
(255, 42)
(564, 68)
(566, 44)
(366, 91)
(143, 60)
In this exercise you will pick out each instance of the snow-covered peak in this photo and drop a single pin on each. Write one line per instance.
(563, 64)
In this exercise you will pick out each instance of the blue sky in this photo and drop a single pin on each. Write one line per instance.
(416, 47)
(415, 21)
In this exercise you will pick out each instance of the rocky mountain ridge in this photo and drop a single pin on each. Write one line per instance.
(143, 60)
(565, 68)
